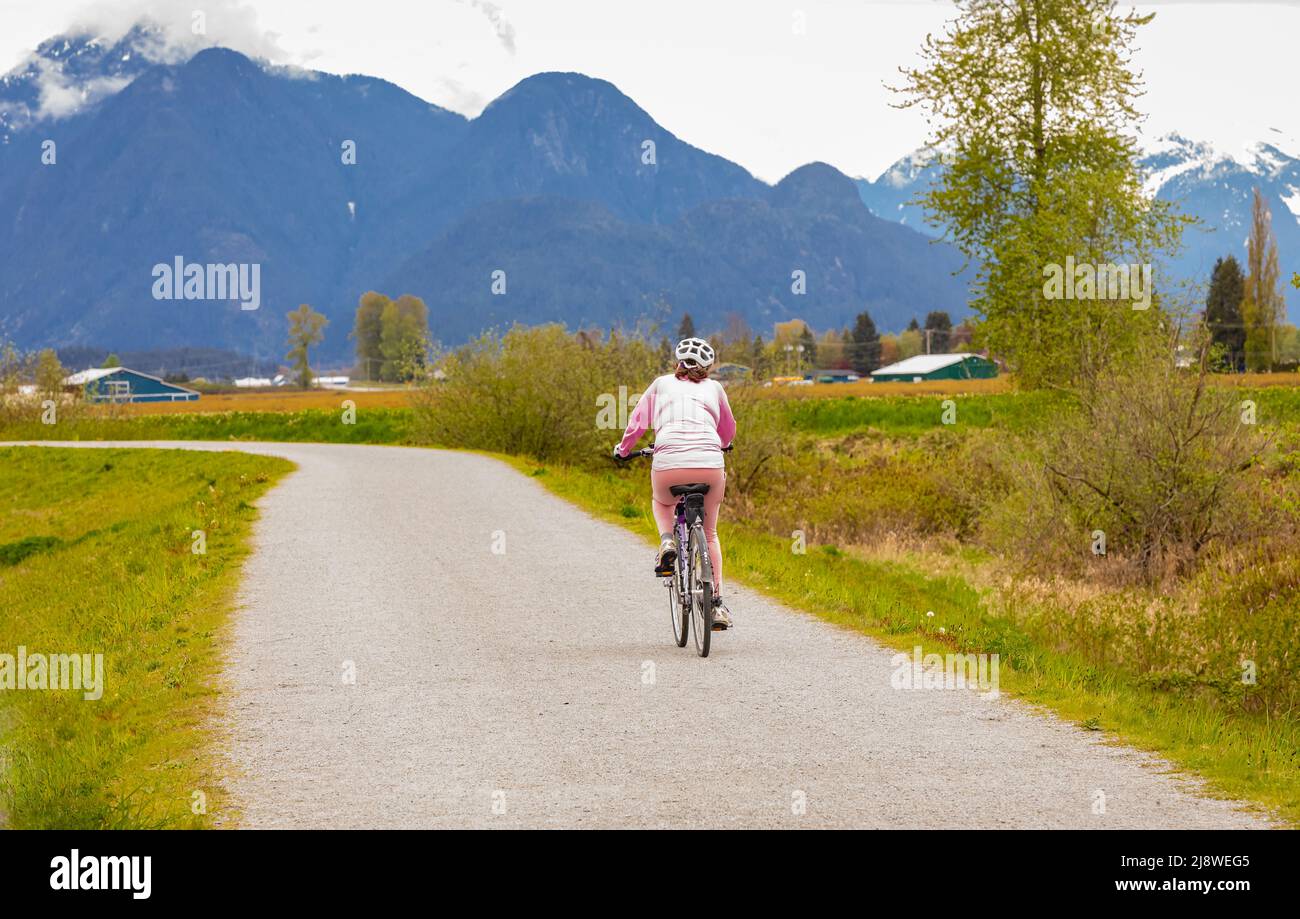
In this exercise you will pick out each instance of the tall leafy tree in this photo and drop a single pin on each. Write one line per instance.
(367, 332)
(910, 343)
(1223, 312)
(1032, 104)
(404, 333)
(890, 352)
(49, 374)
(1262, 307)
(687, 327)
(306, 328)
(866, 344)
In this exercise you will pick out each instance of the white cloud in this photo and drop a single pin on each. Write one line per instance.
(505, 31)
(226, 23)
(730, 76)
(60, 96)
(175, 36)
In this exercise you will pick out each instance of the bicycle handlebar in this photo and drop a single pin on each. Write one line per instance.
(650, 451)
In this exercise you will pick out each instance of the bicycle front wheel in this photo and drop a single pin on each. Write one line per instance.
(700, 583)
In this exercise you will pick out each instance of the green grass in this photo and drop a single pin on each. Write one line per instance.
(372, 426)
(95, 557)
(912, 415)
(1241, 755)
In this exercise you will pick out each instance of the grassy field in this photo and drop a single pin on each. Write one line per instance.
(276, 401)
(832, 413)
(96, 557)
(368, 426)
(912, 414)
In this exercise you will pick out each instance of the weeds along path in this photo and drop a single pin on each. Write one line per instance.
(430, 639)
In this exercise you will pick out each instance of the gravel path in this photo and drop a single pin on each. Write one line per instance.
(539, 686)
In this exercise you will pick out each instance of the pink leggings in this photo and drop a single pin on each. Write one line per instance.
(661, 480)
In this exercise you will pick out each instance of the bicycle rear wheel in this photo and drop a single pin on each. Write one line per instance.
(700, 583)
(679, 601)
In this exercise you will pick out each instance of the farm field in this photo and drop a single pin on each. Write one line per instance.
(275, 401)
(999, 385)
(332, 399)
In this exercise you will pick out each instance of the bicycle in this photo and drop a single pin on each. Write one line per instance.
(690, 581)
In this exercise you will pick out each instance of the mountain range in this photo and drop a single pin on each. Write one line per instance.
(586, 210)
(1213, 185)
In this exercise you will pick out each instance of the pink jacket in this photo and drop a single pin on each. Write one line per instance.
(692, 423)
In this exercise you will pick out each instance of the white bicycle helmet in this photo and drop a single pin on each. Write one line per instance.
(695, 351)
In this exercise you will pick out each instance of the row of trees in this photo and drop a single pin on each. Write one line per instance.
(392, 337)
(794, 347)
(40, 369)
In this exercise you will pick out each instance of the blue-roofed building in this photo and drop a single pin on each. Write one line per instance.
(121, 384)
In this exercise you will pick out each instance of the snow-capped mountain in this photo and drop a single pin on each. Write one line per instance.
(1205, 181)
(890, 195)
(70, 73)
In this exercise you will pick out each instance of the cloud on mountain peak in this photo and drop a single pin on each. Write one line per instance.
(76, 69)
(180, 30)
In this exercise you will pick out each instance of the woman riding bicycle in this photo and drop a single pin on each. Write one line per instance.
(692, 422)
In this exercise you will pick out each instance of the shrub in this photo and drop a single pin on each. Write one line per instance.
(1160, 463)
(42, 375)
(538, 392)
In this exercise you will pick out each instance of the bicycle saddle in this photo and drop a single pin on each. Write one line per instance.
(679, 490)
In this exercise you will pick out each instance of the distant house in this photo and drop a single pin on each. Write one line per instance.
(726, 373)
(937, 367)
(260, 382)
(121, 384)
(834, 375)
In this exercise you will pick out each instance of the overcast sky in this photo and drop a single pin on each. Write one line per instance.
(770, 85)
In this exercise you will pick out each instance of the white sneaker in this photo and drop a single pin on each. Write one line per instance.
(666, 558)
(721, 616)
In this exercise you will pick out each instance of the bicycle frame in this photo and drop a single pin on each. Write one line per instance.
(681, 534)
